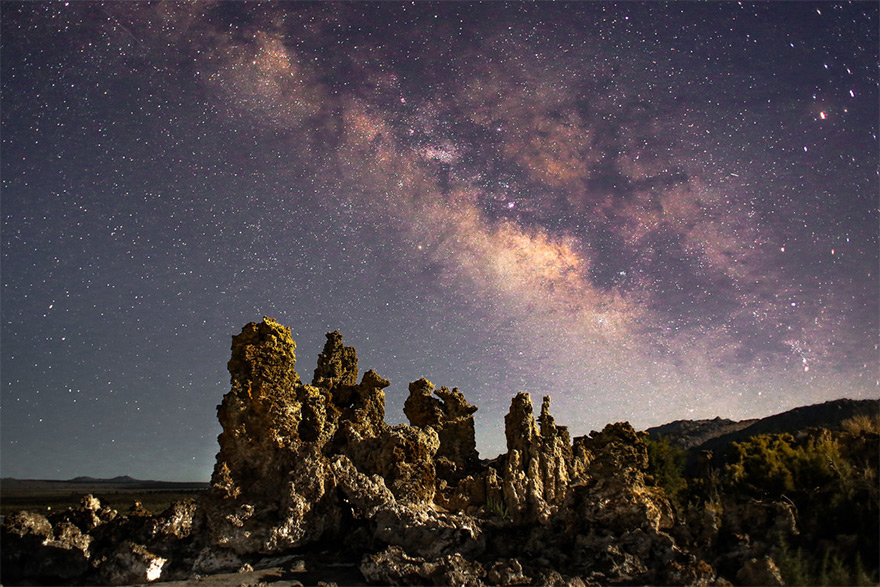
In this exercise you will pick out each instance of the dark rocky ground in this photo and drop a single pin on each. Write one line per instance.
(284, 572)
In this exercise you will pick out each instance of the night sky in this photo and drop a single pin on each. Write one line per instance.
(647, 211)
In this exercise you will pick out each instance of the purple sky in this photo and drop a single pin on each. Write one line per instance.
(647, 211)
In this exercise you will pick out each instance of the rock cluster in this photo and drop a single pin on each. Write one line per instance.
(93, 544)
(315, 465)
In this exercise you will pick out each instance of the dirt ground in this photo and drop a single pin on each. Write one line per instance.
(296, 573)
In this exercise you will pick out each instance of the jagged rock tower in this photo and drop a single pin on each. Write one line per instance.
(271, 486)
(289, 450)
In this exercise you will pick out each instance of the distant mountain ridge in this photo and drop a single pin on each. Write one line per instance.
(689, 434)
(118, 479)
(86, 484)
(717, 434)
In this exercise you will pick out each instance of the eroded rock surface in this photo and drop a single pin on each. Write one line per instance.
(315, 466)
(452, 417)
(271, 487)
(539, 463)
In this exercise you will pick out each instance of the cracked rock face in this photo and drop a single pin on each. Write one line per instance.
(337, 364)
(64, 549)
(613, 493)
(93, 544)
(271, 487)
(329, 454)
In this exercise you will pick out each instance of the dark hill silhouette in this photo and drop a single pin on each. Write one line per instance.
(688, 434)
(830, 415)
(117, 479)
(85, 484)
(718, 434)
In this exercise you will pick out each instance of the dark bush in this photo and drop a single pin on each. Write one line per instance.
(666, 465)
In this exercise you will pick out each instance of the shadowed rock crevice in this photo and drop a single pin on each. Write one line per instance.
(337, 364)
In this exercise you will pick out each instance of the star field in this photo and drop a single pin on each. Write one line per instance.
(647, 211)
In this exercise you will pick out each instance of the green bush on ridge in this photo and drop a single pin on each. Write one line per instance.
(830, 477)
(666, 467)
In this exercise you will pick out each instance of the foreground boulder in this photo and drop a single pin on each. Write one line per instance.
(307, 467)
(63, 550)
(93, 544)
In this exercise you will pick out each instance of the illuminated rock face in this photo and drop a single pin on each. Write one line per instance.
(303, 463)
(271, 486)
(539, 464)
(452, 417)
(274, 486)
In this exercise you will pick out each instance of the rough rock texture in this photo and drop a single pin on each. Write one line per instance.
(623, 525)
(94, 544)
(295, 458)
(419, 527)
(539, 463)
(64, 551)
(315, 466)
(761, 571)
(612, 493)
(132, 563)
(337, 364)
(394, 566)
(271, 487)
(452, 417)
(507, 572)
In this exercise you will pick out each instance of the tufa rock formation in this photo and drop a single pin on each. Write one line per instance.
(308, 467)
(451, 416)
(539, 463)
(269, 489)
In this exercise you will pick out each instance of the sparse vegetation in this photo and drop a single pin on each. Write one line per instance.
(862, 424)
(666, 466)
(828, 477)
(831, 479)
(777, 464)
(497, 506)
(798, 568)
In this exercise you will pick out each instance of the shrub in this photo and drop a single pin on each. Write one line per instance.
(797, 568)
(861, 424)
(666, 465)
(497, 506)
(832, 480)
(775, 464)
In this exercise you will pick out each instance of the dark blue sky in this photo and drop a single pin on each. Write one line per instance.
(647, 211)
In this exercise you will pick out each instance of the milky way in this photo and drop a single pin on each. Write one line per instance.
(648, 212)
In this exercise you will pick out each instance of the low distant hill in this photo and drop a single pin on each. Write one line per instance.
(91, 484)
(718, 434)
(119, 479)
(690, 434)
